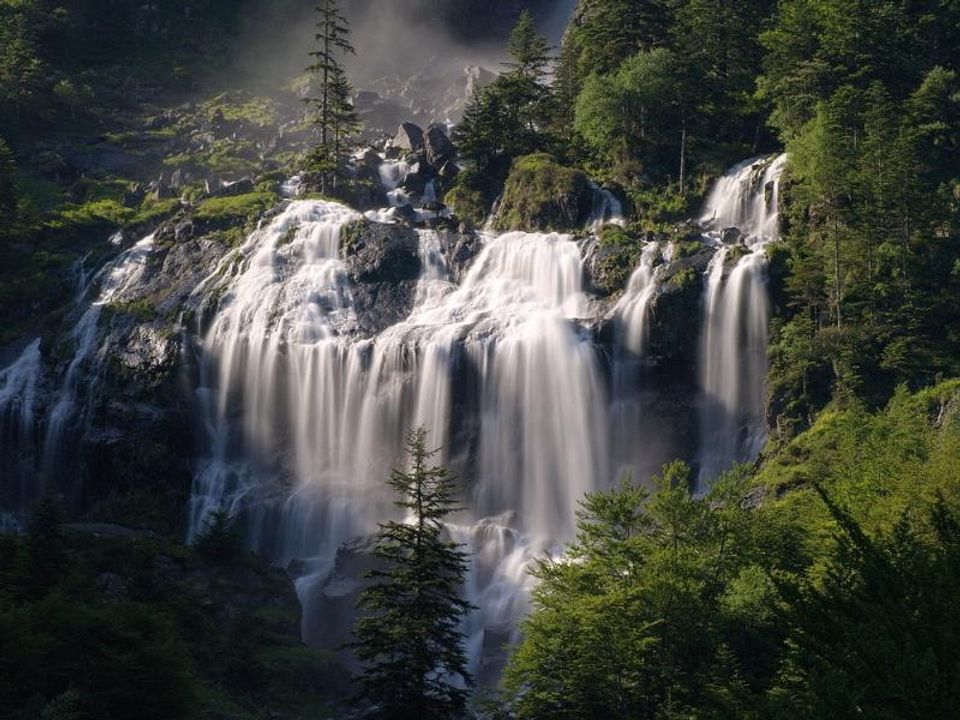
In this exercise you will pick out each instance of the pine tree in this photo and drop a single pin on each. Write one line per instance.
(346, 121)
(408, 640)
(331, 104)
(528, 50)
(523, 86)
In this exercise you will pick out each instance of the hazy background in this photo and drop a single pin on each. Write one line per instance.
(396, 40)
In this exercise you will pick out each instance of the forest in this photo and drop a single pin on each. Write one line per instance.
(318, 456)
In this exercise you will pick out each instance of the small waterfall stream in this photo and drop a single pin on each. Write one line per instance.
(733, 353)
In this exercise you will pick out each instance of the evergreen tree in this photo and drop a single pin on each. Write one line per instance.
(528, 50)
(408, 639)
(221, 540)
(334, 116)
(8, 187)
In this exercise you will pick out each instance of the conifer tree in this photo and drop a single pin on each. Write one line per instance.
(335, 117)
(408, 640)
(524, 84)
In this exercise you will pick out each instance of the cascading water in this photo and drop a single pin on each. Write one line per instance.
(607, 209)
(306, 420)
(19, 386)
(733, 355)
(124, 272)
(304, 417)
(27, 445)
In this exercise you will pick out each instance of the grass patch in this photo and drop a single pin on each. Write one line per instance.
(237, 208)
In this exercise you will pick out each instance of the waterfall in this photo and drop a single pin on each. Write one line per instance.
(634, 306)
(607, 209)
(733, 354)
(28, 445)
(19, 386)
(305, 420)
(116, 277)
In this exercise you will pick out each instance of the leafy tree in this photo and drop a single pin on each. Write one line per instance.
(879, 638)
(652, 609)
(409, 640)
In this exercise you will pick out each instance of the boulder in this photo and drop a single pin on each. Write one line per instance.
(438, 146)
(409, 137)
(383, 265)
(542, 195)
(730, 235)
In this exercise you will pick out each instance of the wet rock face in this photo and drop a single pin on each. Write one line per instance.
(383, 266)
(460, 248)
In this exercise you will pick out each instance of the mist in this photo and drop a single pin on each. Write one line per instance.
(411, 52)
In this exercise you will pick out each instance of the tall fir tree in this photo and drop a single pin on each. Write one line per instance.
(335, 118)
(408, 638)
(524, 85)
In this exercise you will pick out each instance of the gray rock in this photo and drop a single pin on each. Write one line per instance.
(449, 171)
(409, 137)
(383, 263)
(730, 235)
(438, 146)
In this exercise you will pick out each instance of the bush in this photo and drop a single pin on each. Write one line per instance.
(221, 542)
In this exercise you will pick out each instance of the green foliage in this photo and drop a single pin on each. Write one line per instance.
(91, 627)
(878, 637)
(468, 197)
(632, 116)
(867, 99)
(619, 252)
(408, 639)
(662, 87)
(825, 586)
(221, 540)
(653, 607)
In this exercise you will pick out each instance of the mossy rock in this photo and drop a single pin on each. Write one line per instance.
(542, 195)
(223, 212)
(616, 256)
(469, 204)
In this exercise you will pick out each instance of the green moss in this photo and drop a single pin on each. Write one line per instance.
(685, 279)
(96, 213)
(686, 248)
(151, 209)
(618, 254)
(256, 110)
(236, 208)
(468, 202)
(231, 237)
(540, 194)
(142, 310)
(658, 208)
(350, 234)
